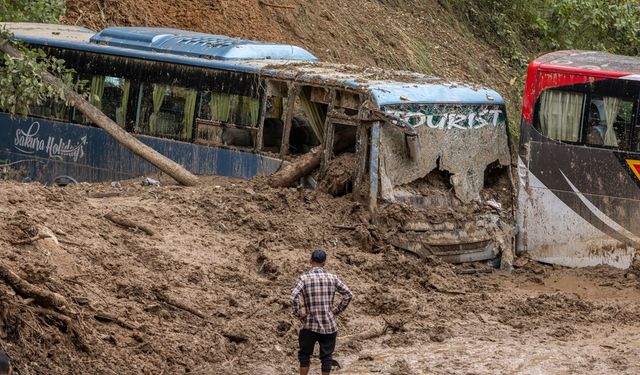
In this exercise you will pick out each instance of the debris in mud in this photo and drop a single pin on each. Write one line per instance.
(148, 181)
(439, 333)
(200, 298)
(426, 218)
(401, 367)
(338, 180)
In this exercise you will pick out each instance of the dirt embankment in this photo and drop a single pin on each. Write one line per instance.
(200, 285)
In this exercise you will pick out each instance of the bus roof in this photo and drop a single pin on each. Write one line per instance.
(188, 43)
(277, 60)
(589, 62)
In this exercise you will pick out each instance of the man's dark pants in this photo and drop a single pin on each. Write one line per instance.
(308, 339)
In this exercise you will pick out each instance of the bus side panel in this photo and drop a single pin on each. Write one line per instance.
(567, 212)
(43, 150)
(554, 233)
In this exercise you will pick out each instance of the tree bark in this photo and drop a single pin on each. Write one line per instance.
(166, 165)
(304, 165)
(130, 224)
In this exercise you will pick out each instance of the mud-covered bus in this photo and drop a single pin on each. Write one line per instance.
(579, 159)
(429, 157)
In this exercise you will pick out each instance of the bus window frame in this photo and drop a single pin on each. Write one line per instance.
(588, 95)
(254, 130)
(585, 119)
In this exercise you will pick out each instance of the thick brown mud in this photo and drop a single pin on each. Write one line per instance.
(205, 290)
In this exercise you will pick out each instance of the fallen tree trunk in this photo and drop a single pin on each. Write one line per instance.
(39, 236)
(164, 297)
(392, 326)
(106, 317)
(130, 224)
(363, 336)
(305, 164)
(163, 163)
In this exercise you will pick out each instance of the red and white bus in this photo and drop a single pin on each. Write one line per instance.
(579, 159)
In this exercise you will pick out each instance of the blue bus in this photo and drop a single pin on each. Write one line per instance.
(429, 157)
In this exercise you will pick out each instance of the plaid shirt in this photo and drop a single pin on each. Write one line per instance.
(318, 288)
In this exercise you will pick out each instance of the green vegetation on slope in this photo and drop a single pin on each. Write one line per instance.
(31, 10)
(522, 29)
(20, 84)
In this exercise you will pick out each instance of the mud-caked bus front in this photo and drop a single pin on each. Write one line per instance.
(444, 173)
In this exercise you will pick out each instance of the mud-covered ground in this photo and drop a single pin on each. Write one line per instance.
(202, 288)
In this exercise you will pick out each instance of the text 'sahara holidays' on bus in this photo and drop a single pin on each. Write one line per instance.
(579, 159)
(430, 158)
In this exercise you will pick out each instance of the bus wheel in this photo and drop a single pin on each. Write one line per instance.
(63, 181)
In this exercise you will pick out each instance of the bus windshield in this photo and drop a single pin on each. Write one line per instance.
(451, 138)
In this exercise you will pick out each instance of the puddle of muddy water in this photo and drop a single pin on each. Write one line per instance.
(609, 350)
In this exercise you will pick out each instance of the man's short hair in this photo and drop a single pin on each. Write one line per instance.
(4, 363)
(318, 256)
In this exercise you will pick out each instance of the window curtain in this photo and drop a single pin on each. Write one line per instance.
(189, 113)
(220, 105)
(315, 114)
(611, 107)
(561, 115)
(97, 90)
(250, 108)
(277, 109)
(122, 114)
(159, 92)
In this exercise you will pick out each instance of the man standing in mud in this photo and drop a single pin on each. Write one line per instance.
(318, 288)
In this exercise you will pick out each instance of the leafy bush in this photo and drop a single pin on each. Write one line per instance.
(523, 29)
(31, 10)
(20, 83)
(606, 25)
(512, 27)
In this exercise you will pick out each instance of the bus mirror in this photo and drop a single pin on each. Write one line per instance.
(413, 145)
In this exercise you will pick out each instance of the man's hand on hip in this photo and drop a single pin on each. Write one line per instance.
(303, 317)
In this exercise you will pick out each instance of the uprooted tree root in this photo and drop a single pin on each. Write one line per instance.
(48, 310)
(41, 296)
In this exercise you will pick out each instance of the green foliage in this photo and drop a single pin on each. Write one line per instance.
(512, 27)
(606, 25)
(21, 85)
(48, 11)
(524, 29)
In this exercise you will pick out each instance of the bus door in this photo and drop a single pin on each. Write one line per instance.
(579, 194)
